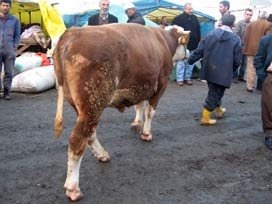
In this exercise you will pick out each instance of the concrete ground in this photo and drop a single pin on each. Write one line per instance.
(186, 163)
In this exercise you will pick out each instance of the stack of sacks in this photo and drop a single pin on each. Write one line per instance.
(26, 61)
(33, 74)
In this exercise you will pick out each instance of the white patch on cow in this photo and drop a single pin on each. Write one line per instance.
(181, 54)
(116, 81)
(174, 26)
(149, 113)
(72, 179)
(99, 152)
(178, 28)
(139, 109)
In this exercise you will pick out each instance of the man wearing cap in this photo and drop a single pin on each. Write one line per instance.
(221, 51)
(103, 17)
(9, 41)
(133, 15)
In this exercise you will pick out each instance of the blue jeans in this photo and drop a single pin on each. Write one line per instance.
(184, 70)
(7, 61)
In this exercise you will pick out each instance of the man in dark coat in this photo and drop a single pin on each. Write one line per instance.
(263, 65)
(221, 51)
(188, 21)
(133, 15)
(103, 17)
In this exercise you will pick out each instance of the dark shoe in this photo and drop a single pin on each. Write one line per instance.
(188, 82)
(241, 80)
(180, 83)
(7, 97)
(250, 90)
(268, 142)
(6, 94)
(258, 91)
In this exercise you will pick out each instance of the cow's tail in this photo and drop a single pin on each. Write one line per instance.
(59, 69)
(59, 112)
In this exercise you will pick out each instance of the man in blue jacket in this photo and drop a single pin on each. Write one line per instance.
(263, 65)
(9, 41)
(221, 52)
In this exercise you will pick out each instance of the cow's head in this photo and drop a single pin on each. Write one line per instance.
(181, 52)
(182, 35)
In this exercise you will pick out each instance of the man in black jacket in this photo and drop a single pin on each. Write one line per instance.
(133, 15)
(103, 17)
(188, 21)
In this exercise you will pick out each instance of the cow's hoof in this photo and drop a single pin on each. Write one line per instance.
(100, 153)
(146, 137)
(74, 194)
(136, 126)
(104, 157)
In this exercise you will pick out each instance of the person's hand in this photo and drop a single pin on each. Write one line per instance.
(269, 69)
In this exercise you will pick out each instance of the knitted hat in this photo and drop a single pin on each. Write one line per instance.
(128, 6)
(228, 20)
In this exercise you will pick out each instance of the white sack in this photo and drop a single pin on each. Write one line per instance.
(25, 62)
(34, 80)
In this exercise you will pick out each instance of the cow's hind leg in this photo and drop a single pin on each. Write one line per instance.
(151, 107)
(77, 146)
(137, 124)
(149, 114)
(99, 152)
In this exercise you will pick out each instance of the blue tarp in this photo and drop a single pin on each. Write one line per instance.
(148, 6)
(81, 19)
(145, 7)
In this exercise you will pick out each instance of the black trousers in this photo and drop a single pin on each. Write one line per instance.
(215, 95)
(266, 103)
(240, 72)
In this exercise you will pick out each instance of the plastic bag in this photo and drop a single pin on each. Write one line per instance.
(52, 19)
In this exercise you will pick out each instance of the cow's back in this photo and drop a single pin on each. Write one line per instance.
(132, 56)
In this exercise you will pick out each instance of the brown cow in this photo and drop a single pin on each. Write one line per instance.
(117, 65)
